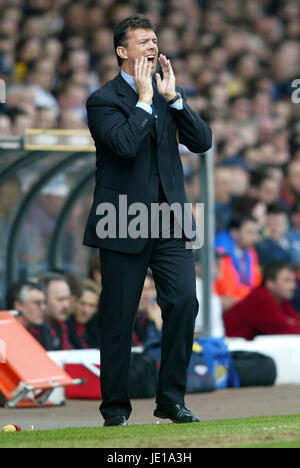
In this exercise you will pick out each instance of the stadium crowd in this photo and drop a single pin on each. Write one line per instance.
(236, 60)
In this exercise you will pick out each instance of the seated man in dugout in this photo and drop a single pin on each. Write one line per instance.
(84, 319)
(30, 301)
(58, 298)
(267, 310)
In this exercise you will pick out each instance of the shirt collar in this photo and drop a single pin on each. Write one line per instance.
(129, 79)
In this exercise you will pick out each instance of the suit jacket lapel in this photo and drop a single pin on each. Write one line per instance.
(127, 94)
(130, 97)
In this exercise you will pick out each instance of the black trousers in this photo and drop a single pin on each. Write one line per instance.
(123, 277)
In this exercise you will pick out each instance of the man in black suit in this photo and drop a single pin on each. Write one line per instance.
(136, 122)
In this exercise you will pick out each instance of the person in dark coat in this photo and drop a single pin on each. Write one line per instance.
(136, 121)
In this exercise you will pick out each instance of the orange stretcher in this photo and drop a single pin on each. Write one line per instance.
(27, 375)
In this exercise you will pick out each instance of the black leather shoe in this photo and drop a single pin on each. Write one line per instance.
(116, 421)
(177, 413)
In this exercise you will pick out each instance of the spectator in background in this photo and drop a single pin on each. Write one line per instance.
(21, 97)
(277, 243)
(223, 197)
(30, 300)
(75, 285)
(73, 96)
(20, 120)
(267, 310)
(249, 206)
(264, 187)
(240, 271)
(47, 118)
(192, 186)
(275, 172)
(71, 119)
(85, 318)
(241, 179)
(58, 296)
(40, 75)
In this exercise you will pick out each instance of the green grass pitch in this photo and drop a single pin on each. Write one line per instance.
(261, 432)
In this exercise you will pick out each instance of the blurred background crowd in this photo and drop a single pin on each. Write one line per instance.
(236, 60)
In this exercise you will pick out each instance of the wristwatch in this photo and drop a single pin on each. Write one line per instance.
(176, 98)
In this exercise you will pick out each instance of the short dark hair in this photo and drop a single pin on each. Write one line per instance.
(276, 209)
(46, 278)
(259, 177)
(271, 270)
(245, 204)
(14, 112)
(237, 221)
(121, 30)
(74, 282)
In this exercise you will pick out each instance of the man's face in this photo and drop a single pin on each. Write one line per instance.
(86, 307)
(284, 285)
(58, 301)
(33, 308)
(223, 183)
(268, 191)
(247, 235)
(277, 225)
(141, 43)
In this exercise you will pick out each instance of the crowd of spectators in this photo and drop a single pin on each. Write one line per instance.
(237, 61)
(60, 310)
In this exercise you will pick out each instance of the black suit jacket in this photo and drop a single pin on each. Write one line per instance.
(131, 151)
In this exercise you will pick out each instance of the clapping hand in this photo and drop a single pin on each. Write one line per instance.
(142, 78)
(166, 86)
